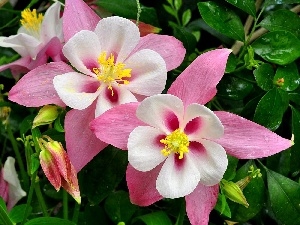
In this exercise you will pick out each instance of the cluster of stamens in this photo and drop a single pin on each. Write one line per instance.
(31, 20)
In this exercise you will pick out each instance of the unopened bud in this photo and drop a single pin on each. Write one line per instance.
(233, 192)
(46, 115)
(279, 82)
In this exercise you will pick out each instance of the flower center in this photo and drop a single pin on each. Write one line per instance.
(110, 72)
(177, 142)
(31, 20)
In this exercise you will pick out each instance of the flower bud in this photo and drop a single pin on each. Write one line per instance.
(46, 115)
(233, 192)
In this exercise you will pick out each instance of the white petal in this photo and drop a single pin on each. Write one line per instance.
(107, 101)
(144, 148)
(211, 160)
(202, 122)
(149, 73)
(76, 90)
(11, 177)
(118, 36)
(177, 178)
(52, 23)
(83, 50)
(162, 111)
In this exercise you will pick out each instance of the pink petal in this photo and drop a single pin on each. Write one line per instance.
(201, 122)
(76, 90)
(52, 49)
(115, 125)
(177, 177)
(200, 203)
(3, 187)
(17, 67)
(161, 111)
(36, 87)
(148, 75)
(169, 48)
(144, 148)
(142, 186)
(107, 101)
(82, 145)
(117, 35)
(74, 20)
(197, 83)
(245, 139)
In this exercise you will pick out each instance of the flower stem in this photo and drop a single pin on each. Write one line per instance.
(76, 213)
(139, 11)
(65, 204)
(18, 157)
(39, 195)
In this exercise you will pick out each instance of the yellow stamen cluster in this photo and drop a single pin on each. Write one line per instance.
(31, 20)
(176, 142)
(109, 71)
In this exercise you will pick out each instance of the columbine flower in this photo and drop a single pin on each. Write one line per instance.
(36, 87)
(10, 187)
(177, 147)
(58, 168)
(39, 37)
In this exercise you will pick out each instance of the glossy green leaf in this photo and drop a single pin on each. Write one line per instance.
(187, 38)
(271, 107)
(295, 149)
(222, 19)
(278, 2)
(118, 207)
(246, 5)
(231, 63)
(284, 198)
(231, 168)
(49, 221)
(102, 175)
(282, 20)
(280, 47)
(289, 76)
(264, 75)
(254, 193)
(155, 218)
(222, 206)
(17, 213)
(128, 9)
(186, 17)
(294, 97)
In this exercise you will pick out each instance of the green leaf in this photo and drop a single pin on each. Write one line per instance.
(49, 221)
(264, 75)
(4, 218)
(155, 218)
(222, 19)
(26, 124)
(284, 198)
(231, 168)
(177, 4)
(294, 97)
(222, 206)
(94, 214)
(280, 47)
(246, 5)
(102, 175)
(118, 207)
(128, 9)
(282, 20)
(278, 2)
(254, 193)
(187, 38)
(290, 76)
(295, 149)
(186, 17)
(271, 107)
(169, 10)
(34, 162)
(17, 213)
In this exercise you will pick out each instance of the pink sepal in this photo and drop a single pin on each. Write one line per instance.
(78, 16)
(115, 125)
(82, 144)
(142, 186)
(3, 187)
(200, 203)
(17, 67)
(245, 139)
(170, 49)
(36, 87)
(197, 83)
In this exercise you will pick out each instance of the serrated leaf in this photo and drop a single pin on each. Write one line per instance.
(280, 47)
(186, 17)
(246, 5)
(264, 75)
(289, 76)
(155, 218)
(49, 221)
(284, 198)
(295, 149)
(118, 207)
(282, 20)
(222, 19)
(271, 107)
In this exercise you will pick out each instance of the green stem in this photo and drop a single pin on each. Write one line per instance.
(40, 197)
(76, 213)
(18, 157)
(139, 11)
(181, 215)
(65, 204)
